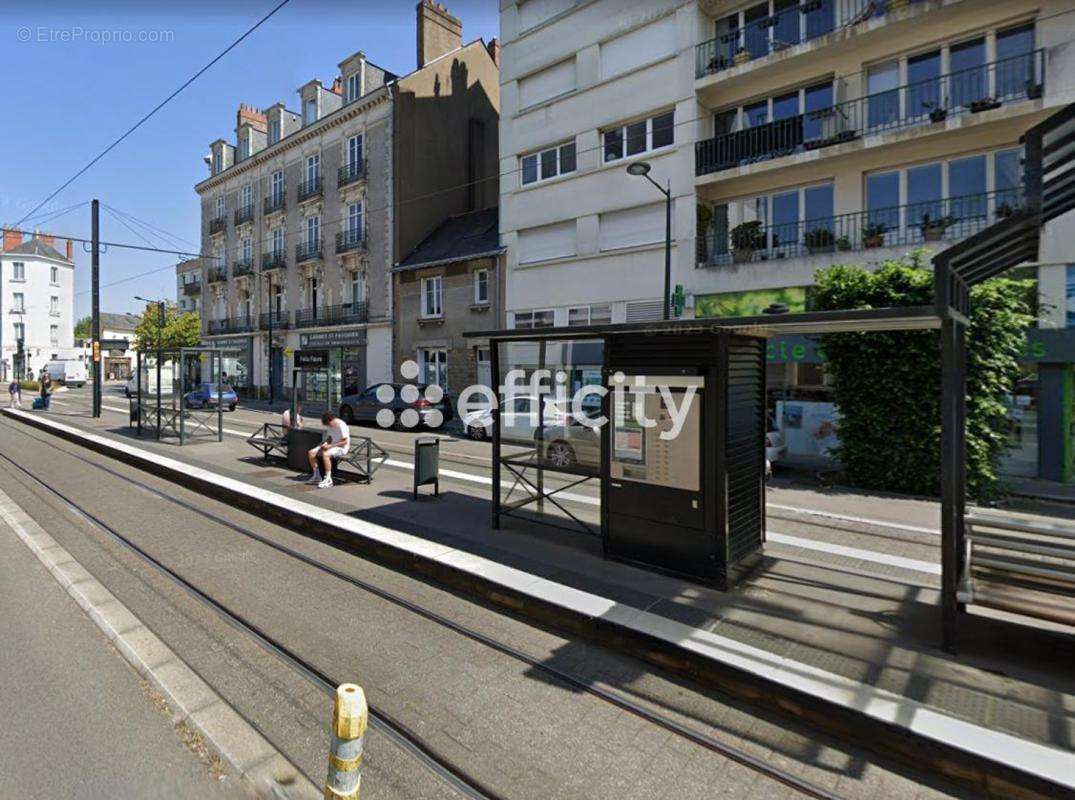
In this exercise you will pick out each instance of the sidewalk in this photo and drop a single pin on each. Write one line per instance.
(856, 637)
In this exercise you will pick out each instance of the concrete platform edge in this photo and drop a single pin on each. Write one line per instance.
(270, 776)
(992, 762)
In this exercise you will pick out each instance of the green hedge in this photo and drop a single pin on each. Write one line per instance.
(30, 386)
(887, 385)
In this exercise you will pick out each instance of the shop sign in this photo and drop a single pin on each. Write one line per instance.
(114, 344)
(236, 343)
(334, 338)
(311, 359)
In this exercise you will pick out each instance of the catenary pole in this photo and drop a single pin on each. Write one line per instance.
(95, 267)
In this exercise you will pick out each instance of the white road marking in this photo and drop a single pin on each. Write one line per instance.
(863, 520)
(854, 552)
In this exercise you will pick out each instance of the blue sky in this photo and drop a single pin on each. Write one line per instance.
(64, 101)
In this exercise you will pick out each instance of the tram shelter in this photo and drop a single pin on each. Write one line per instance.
(165, 380)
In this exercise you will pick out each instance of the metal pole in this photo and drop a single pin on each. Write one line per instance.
(95, 292)
(953, 473)
(668, 251)
(160, 355)
(268, 291)
(494, 370)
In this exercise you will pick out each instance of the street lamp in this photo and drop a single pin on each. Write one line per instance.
(641, 169)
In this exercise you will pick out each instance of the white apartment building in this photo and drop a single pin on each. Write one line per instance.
(188, 285)
(794, 134)
(37, 302)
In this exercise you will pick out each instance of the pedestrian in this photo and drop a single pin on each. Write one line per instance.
(16, 393)
(46, 390)
(336, 445)
(286, 420)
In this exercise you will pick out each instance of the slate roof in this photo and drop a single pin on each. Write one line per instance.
(119, 322)
(459, 238)
(35, 247)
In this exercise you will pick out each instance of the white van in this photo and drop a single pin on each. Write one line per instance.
(69, 372)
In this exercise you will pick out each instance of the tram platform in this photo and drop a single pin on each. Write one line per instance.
(836, 625)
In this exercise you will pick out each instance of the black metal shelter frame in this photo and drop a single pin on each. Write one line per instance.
(169, 416)
(1049, 175)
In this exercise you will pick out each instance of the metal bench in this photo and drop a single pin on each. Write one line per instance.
(364, 457)
(269, 439)
(1021, 567)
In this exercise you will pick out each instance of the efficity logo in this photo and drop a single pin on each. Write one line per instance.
(421, 404)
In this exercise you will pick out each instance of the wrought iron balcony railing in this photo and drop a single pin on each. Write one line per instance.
(915, 225)
(346, 314)
(310, 188)
(307, 251)
(217, 274)
(243, 266)
(231, 325)
(217, 225)
(969, 91)
(349, 173)
(274, 259)
(280, 320)
(350, 241)
(786, 28)
(274, 202)
(244, 214)
(192, 287)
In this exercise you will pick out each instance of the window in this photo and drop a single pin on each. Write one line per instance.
(357, 291)
(631, 227)
(311, 292)
(1008, 172)
(547, 242)
(313, 167)
(274, 131)
(220, 207)
(54, 334)
(432, 296)
(354, 87)
(246, 196)
(218, 159)
(277, 187)
(549, 163)
(481, 287)
(639, 137)
(969, 79)
(278, 298)
(18, 271)
(54, 305)
(354, 151)
(54, 275)
(18, 302)
(244, 147)
(313, 232)
(534, 319)
(551, 82)
(641, 46)
(278, 242)
(924, 84)
(590, 315)
(20, 331)
(309, 112)
(1015, 60)
(882, 85)
(435, 367)
(816, 101)
(246, 250)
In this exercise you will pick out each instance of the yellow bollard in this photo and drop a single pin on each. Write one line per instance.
(350, 715)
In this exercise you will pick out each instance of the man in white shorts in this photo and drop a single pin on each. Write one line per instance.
(337, 443)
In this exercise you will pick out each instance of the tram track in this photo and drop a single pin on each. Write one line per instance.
(380, 720)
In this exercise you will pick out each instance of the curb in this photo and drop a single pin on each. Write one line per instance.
(263, 771)
(990, 762)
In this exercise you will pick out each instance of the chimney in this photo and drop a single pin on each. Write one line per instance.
(438, 31)
(70, 251)
(337, 85)
(12, 239)
(45, 238)
(494, 51)
(252, 116)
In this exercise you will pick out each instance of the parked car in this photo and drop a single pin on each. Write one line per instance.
(363, 406)
(518, 421)
(572, 445)
(206, 396)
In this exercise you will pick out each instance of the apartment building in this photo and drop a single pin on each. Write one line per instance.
(37, 302)
(305, 214)
(188, 285)
(802, 134)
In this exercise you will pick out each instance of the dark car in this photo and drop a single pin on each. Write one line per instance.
(397, 398)
(206, 395)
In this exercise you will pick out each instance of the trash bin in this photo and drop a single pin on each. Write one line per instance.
(427, 464)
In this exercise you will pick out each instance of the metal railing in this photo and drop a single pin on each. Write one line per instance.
(307, 251)
(274, 259)
(348, 241)
(217, 274)
(217, 224)
(346, 314)
(231, 325)
(969, 91)
(787, 28)
(309, 188)
(349, 173)
(914, 225)
(192, 287)
(242, 267)
(280, 319)
(277, 202)
(244, 214)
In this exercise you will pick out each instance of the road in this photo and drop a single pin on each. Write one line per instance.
(511, 725)
(78, 722)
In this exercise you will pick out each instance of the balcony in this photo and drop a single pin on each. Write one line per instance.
(309, 189)
(274, 203)
(192, 287)
(346, 314)
(787, 28)
(929, 102)
(280, 320)
(244, 214)
(217, 225)
(275, 259)
(244, 266)
(307, 251)
(350, 241)
(936, 224)
(231, 325)
(350, 173)
(217, 275)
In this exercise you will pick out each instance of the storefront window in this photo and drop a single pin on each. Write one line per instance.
(1022, 456)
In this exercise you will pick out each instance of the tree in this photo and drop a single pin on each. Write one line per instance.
(84, 328)
(887, 385)
(181, 329)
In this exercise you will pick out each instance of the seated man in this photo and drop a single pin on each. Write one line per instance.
(337, 443)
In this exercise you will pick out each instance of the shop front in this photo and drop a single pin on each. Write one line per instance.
(330, 365)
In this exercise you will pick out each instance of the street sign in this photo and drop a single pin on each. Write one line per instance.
(96, 352)
(114, 344)
(311, 359)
